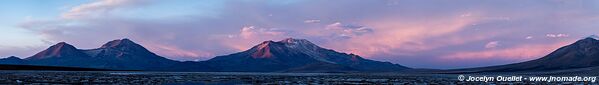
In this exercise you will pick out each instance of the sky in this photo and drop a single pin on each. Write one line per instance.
(441, 34)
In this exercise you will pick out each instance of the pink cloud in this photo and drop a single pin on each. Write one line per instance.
(169, 50)
(521, 52)
(392, 35)
(249, 36)
(97, 8)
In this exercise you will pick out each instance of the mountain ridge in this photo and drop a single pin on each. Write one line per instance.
(58, 50)
(120, 54)
(287, 55)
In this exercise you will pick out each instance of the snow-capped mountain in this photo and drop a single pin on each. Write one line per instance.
(594, 37)
(296, 54)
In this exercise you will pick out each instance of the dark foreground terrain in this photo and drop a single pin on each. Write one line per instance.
(195, 78)
(31, 67)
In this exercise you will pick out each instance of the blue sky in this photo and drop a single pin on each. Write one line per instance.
(415, 33)
(15, 12)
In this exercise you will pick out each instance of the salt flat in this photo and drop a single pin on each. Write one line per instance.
(195, 78)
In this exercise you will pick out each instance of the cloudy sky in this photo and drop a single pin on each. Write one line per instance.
(416, 33)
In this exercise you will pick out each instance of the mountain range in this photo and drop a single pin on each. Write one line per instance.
(122, 54)
(288, 55)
